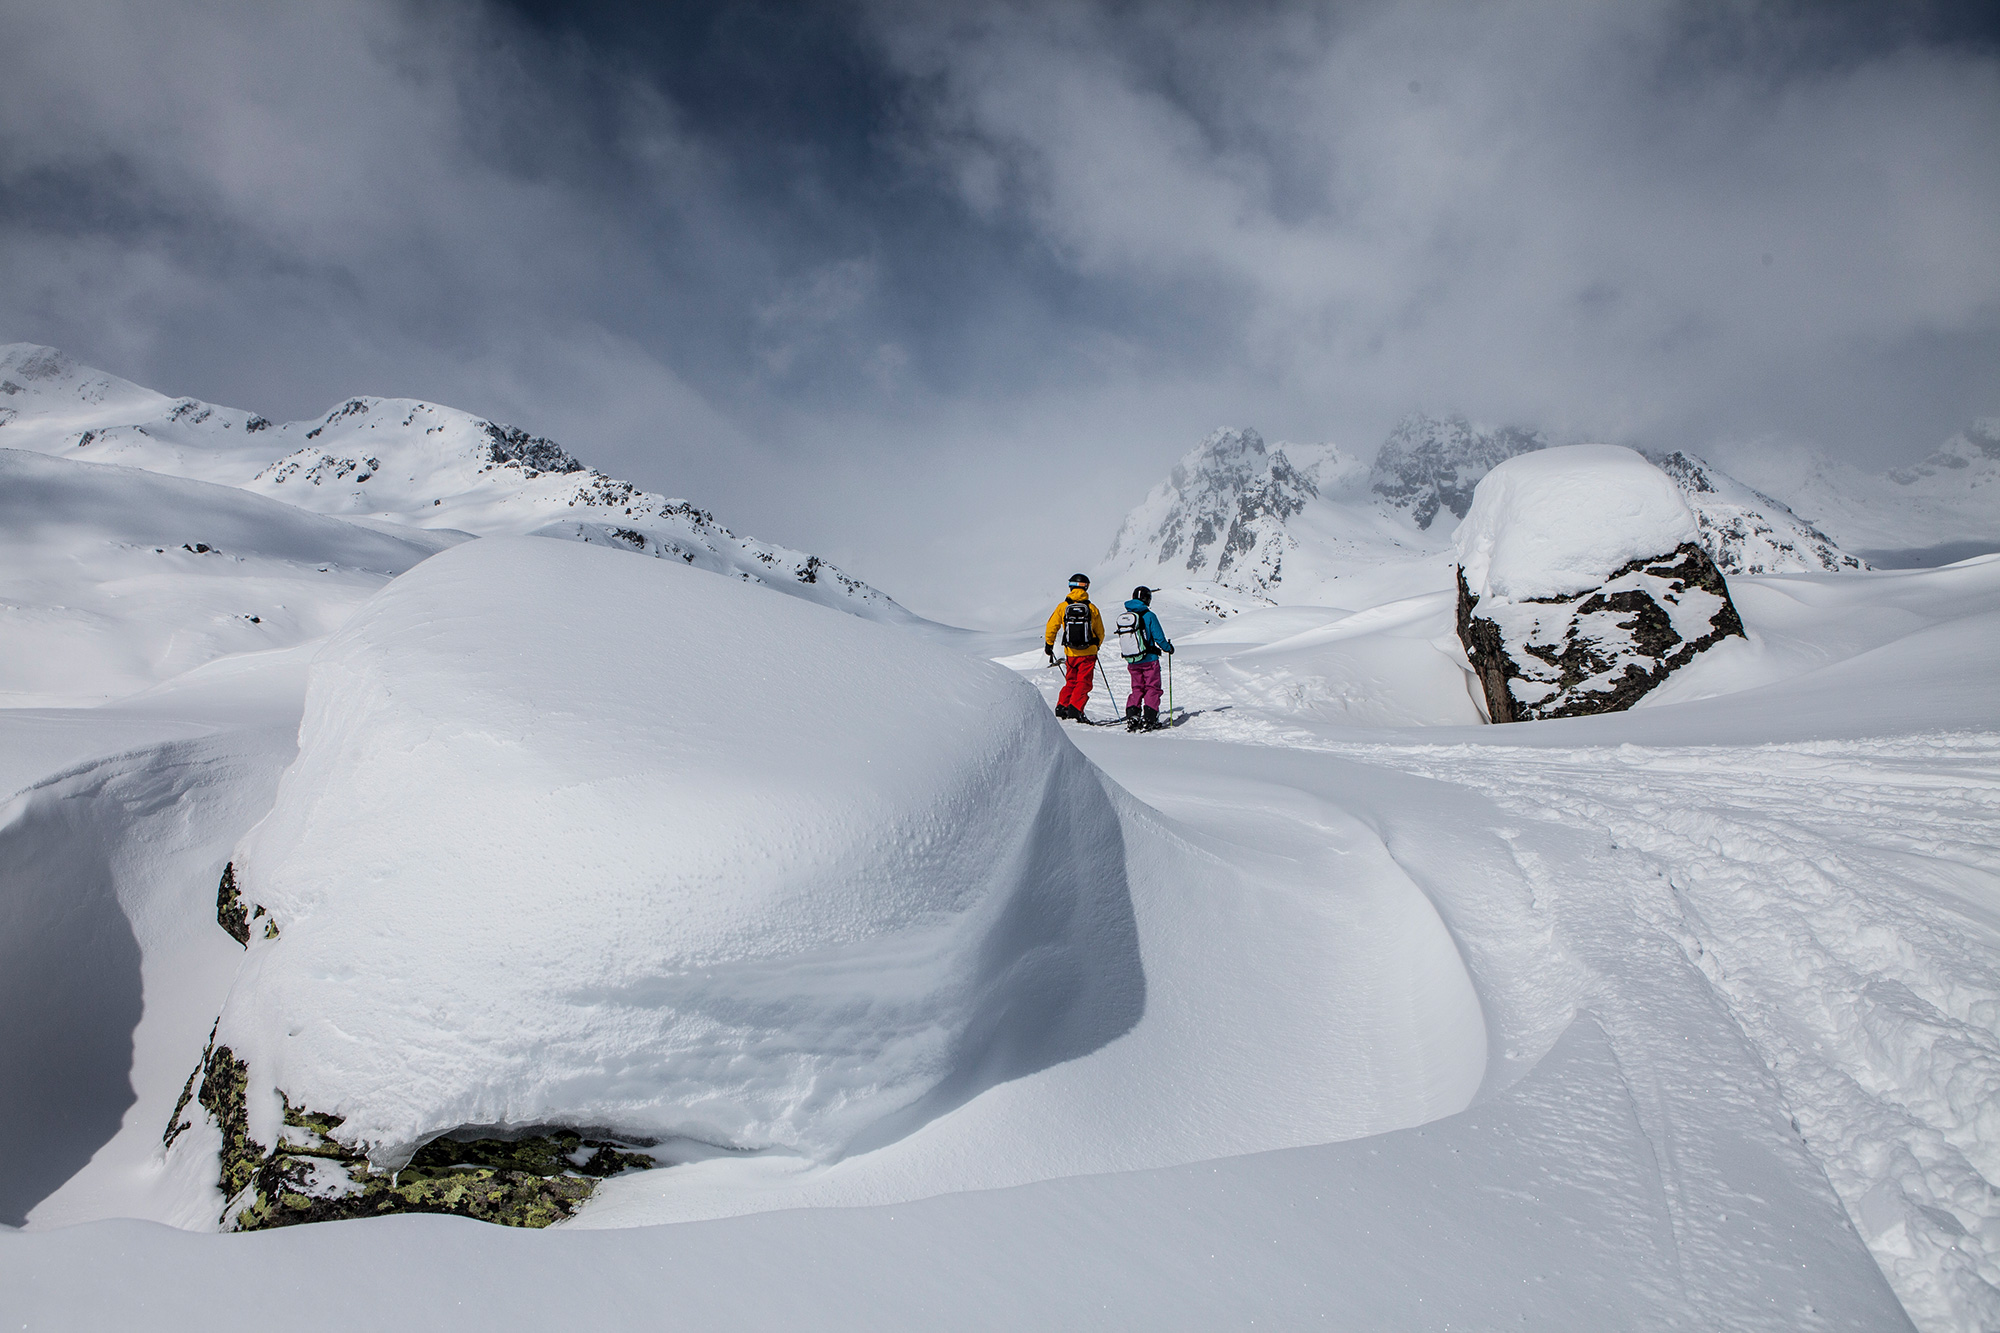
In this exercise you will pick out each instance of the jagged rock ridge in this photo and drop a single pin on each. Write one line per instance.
(1220, 515)
(1431, 464)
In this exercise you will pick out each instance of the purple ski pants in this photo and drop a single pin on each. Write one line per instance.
(1145, 685)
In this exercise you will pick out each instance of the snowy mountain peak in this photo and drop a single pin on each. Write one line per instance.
(1432, 463)
(1977, 447)
(1220, 515)
(37, 382)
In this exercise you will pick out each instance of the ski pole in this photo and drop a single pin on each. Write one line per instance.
(1170, 689)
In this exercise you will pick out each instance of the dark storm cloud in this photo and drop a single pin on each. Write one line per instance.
(941, 289)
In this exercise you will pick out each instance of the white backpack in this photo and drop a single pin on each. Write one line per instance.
(1133, 641)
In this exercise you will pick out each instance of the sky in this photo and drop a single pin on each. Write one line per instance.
(940, 291)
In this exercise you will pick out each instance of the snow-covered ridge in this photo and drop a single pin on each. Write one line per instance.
(394, 459)
(1746, 531)
(114, 579)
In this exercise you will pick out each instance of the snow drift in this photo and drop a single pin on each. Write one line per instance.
(576, 839)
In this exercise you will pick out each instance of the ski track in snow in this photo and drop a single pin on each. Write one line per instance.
(1837, 896)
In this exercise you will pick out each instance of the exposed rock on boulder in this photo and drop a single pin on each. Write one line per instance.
(308, 1175)
(1582, 584)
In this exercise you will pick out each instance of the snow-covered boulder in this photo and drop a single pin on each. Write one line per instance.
(1582, 583)
(581, 842)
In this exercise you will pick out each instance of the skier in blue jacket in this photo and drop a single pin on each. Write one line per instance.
(1141, 641)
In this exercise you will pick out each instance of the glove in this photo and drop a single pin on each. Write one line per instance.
(1049, 650)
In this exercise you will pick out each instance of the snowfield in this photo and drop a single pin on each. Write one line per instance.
(1329, 1005)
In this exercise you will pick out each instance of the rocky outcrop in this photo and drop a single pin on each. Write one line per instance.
(309, 1175)
(236, 916)
(1598, 651)
(527, 1180)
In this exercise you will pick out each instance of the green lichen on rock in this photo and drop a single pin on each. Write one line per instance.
(525, 1182)
(225, 1081)
(234, 915)
(230, 913)
(311, 1176)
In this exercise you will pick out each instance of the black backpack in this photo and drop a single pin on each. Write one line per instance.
(1076, 627)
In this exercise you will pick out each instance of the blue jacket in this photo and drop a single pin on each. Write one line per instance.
(1154, 633)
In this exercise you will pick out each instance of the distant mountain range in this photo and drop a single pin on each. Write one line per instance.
(1286, 522)
(391, 460)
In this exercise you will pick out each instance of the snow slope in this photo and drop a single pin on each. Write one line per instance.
(1639, 1159)
(113, 579)
(1746, 531)
(397, 460)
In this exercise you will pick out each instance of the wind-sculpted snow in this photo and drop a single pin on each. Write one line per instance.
(582, 840)
(1558, 521)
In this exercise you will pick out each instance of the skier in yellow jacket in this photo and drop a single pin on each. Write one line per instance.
(1081, 630)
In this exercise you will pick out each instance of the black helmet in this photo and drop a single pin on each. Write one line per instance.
(1079, 580)
(1143, 595)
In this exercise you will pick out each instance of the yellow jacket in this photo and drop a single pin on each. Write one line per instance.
(1056, 624)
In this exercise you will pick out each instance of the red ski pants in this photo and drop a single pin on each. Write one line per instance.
(1077, 675)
